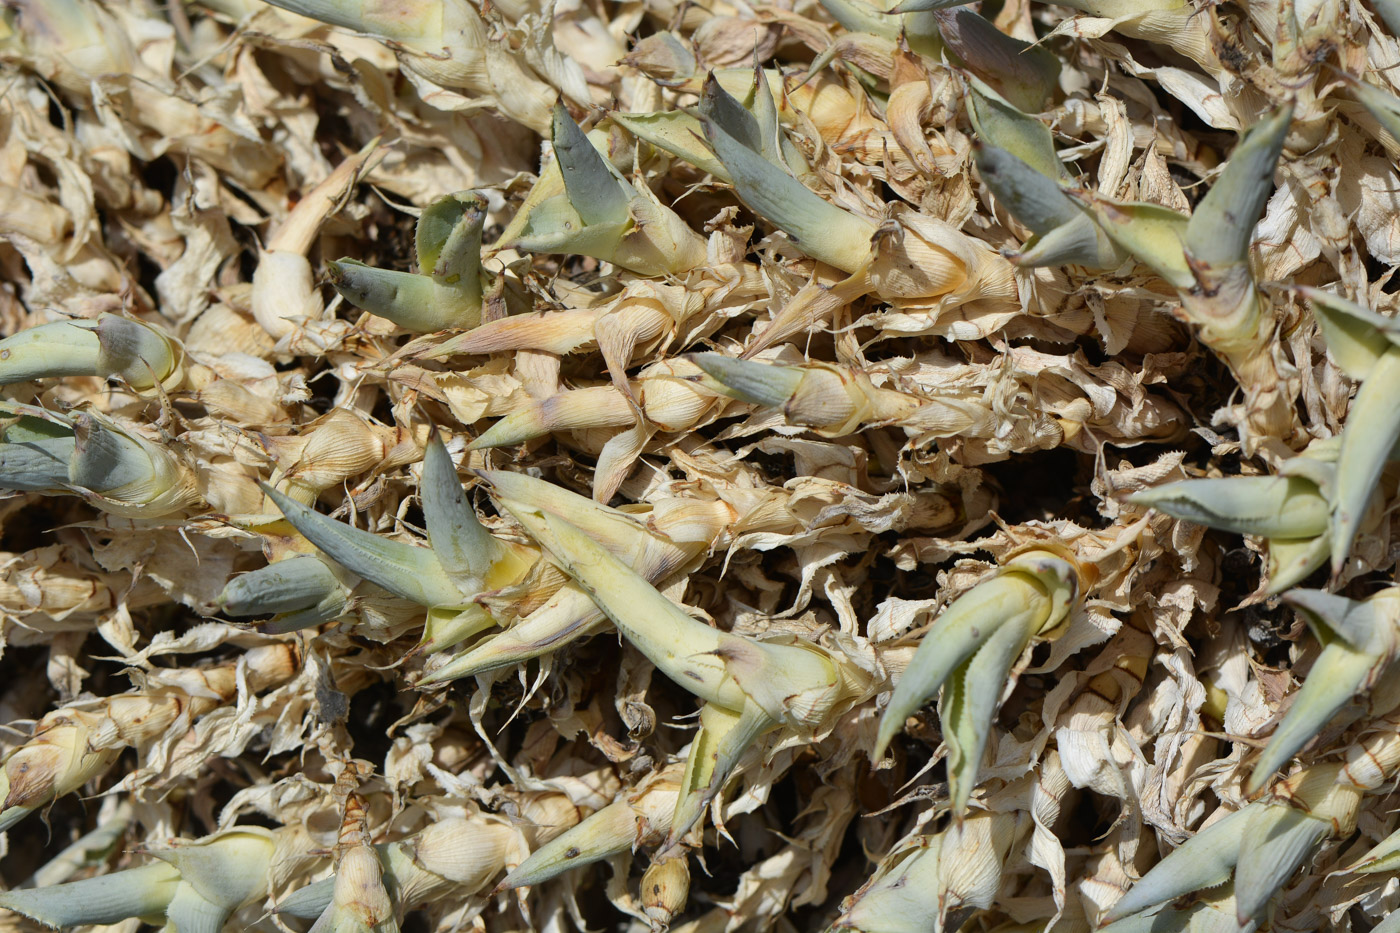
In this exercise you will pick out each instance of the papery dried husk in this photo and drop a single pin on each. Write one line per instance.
(911, 409)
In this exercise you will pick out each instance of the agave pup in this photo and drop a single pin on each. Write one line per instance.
(1206, 258)
(750, 687)
(972, 648)
(446, 290)
(463, 561)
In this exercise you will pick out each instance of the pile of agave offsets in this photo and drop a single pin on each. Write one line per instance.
(711, 465)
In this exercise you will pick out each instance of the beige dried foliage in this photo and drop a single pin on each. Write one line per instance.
(829, 320)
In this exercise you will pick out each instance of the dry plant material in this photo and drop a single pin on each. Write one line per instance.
(739, 467)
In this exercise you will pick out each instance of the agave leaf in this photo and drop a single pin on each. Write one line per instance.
(753, 121)
(595, 190)
(415, 302)
(722, 739)
(91, 850)
(332, 607)
(1268, 506)
(604, 833)
(917, 27)
(1036, 199)
(765, 113)
(1010, 600)
(1076, 242)
(136, 892)
(27, 428)
(570, 410)
(1337, 675)
(1155, 235)
(924, 6)
(555, 226)
(446, 290)
(569, 614)
(971, 700)
(309, 902)
(1382, 105)
(1033, 190)
(467, 552)
(793, 681)
(998, 123)
(36, 465)
(111, 345)
(445, 627)
(1372, 431)
(228, 869)
(106, 458)
(821, 229)
(756, 383)
(719, 106)
(928, 882)
(857, 16)
(1222, 225)
(1367, 626)
(413, 573)
(134, 350)
(62, 348)
(676, 132)
(1384, 856)
(407, 22)
(1291, 561)
(1356, 337)
(1025, 74)
(647, 237)
(1274, 844)
(1215, 912)
(681, 647)
(1206, 860)
(188, 912)
(897, 899)
(447, 239)
(646, 550)
(290, 585)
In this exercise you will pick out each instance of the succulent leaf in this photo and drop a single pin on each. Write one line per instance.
(287, 586)
(1024, 599)
(1025, 74)
(108, 346)
(1275, 843)
(136, 892)
(595, 189)
(820, 229)
(1371, 433)
(1222, 225)
(1268, 506)
(414, 573)
(1204, 861)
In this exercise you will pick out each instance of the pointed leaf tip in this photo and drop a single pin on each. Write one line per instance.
(756, 383)
(413, 573)
(594, 189)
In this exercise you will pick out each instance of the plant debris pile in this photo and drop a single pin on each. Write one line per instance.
(708, 466)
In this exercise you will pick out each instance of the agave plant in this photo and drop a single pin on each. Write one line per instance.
(1292, 510)
(464, 561)
(972, 649)
(447, 289)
